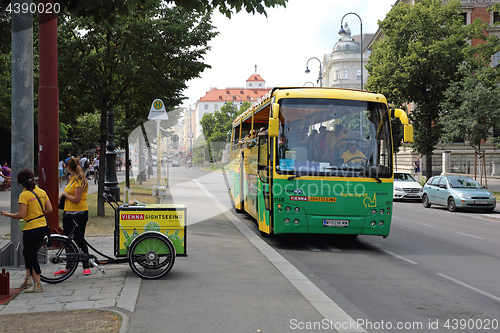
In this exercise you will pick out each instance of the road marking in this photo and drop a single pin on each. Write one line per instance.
(331, 248)
(461, 233)
(318, 299)
(312, 247)
(427, 225)
(398, 256)
(482, 292)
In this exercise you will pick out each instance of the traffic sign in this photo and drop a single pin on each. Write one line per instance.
(157, 110)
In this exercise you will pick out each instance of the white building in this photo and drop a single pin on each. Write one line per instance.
(255, 88)
(342, 67)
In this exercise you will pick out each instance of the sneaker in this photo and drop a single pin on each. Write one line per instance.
(37, 288)
(28, 282)
(61, 272)
(86, 271)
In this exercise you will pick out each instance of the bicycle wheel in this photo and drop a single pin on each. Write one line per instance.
(152, 255)
(58, 256)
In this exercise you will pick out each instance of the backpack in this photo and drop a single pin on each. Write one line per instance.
(86, 164)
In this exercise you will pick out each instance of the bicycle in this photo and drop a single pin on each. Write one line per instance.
(150, 255)
(189, 165)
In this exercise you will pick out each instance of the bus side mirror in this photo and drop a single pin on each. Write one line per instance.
(274, 121)
(274, 127)
(408, 134)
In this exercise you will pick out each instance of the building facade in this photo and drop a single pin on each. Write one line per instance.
(255, 88)
(342, 67)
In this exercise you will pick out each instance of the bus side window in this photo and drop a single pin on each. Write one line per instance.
(236, 136)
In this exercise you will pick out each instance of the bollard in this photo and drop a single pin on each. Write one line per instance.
(4, 283)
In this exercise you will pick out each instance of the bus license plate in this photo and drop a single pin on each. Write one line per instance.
(336, 223)
(481, 202)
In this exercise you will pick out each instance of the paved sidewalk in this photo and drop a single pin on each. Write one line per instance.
(118, 287)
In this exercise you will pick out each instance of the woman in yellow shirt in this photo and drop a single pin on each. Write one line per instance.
(75, 202)
(33, 205)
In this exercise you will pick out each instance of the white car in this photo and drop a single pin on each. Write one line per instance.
(406, 187)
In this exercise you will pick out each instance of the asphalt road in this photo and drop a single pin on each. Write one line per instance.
(435, 270)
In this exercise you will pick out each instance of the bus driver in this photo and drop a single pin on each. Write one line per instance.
(352, 154)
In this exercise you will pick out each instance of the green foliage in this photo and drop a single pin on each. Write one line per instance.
(126, 66)
(418, 58)
(216, 127)
(472, 106)
(107, 10)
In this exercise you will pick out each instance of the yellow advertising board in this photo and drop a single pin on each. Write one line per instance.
(169, 220)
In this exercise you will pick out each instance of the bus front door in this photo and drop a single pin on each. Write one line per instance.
(263, 195)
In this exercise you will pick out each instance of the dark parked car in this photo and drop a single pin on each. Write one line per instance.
(457, 192)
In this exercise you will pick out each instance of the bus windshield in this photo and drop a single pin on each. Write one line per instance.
(334, 137)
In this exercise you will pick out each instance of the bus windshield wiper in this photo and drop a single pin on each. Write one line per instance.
(363, 173)
(294, 176)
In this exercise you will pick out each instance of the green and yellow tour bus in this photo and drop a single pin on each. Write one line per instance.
(315, 161)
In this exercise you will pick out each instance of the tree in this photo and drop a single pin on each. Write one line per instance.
(124, 67)
(107, 10)
(471, 107)
(417, 59)
(217, 125)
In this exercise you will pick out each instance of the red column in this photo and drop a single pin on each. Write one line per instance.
(48, 113)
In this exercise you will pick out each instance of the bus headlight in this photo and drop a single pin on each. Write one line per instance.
(287, 221)
(373, 223)
(296, 221)
(381, 223)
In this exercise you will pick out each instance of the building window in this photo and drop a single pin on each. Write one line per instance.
(338, 75)
(206, 106)
(496, 17)
(358, 75)
(495, 59)
(216, 107)
(249, 84)
(346, 74)
(464, 18)
(260, 84)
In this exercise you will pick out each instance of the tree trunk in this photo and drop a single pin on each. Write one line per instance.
(428, 165)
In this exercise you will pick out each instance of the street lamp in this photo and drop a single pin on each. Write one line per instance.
(233, 97)
(320, 76)
(342, 31)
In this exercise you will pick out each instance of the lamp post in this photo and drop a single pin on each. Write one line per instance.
(233, 97)
(342, 31)
(320, 76)
(110, 180)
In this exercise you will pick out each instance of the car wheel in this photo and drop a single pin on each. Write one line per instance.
(452, 207)
(425, 201)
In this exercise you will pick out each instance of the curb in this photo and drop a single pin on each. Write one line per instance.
(125, 320)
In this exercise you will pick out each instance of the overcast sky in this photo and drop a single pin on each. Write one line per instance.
(280, 44)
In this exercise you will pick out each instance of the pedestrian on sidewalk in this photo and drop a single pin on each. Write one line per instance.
(416, 167)
(75, 201)
(61, 171)
(33, 205)
(6, 173)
